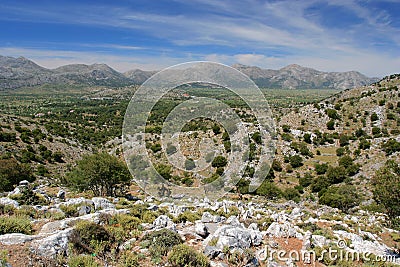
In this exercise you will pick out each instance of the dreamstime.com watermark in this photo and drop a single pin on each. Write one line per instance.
(338, 253)
(135, 134)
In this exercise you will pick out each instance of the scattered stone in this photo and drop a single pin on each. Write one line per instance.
(53, 245)
(16, 238)
(102, 203)
(83, 210)
(211, 252)
(233, 220)
(207, 217)
(24, 183)
(201, 229)
(61, 194)
(318, 240)
(163, 221)
(8, 201)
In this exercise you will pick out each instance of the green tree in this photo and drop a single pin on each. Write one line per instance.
(330, 125)
(296, 161)
(342, 197)
(103, 174)
(336, 175)
(386, 188)
(374, 117)
(257, 137)
(219, 161)
(269, 190)
(321, 168)
(12, 172)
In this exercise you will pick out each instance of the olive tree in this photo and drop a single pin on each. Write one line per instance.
(103, 174)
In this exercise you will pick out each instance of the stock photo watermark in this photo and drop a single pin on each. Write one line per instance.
(339, 252)
(134, 133)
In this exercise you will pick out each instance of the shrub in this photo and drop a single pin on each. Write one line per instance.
(342, 197)
(15, 224)
(82, 260)
(332, 114)
(103, 174)
(160, 242)
(186, 216)
(343, 140)
(364, 144)
(330, 125)
(296, 161)
(276, 165)
(374, 117)
(391, 146)
(286, 128)
(128, 259)
(88, 237)
(257, 137)
(336, 174)
(292, 194)
(386, 188)
(321, 168)
(340, 151)
(219, 161)
(269, 190)
(306, 180)
(183, 255)
(11, 173)
(319, 183)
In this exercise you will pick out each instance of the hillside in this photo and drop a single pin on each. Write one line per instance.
(21, 72)
(317, 197)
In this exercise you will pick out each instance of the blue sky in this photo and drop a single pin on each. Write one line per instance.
(333, 35)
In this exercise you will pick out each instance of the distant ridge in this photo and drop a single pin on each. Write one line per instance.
(297, 77)
(22, 72)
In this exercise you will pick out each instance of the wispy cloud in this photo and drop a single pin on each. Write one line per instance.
(264, 33)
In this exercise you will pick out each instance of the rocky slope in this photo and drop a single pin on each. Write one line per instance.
(298, 77)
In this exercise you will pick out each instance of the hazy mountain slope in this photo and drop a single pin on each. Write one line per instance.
(20, 72)
(298, 77)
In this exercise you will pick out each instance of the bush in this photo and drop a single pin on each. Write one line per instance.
(183, 255)
(340, 151)
(101, 173)
(269, 190)
(344, 140)
(391, 146)
(342, 197)
(292, 194)
(186, 216)
(364, 144)
(296, 161)
(306, 180)
(88, 237)
(11, 173)
(332, 114)
(219, 161)
(82, 260)
(336, 174)
(321, 168)
(160, 242)
(15, 224)
(128, 259)
(374, 117)
(330, 125)
(276, 165)
(386, 188)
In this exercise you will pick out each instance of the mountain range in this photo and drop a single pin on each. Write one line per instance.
(22, 72)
